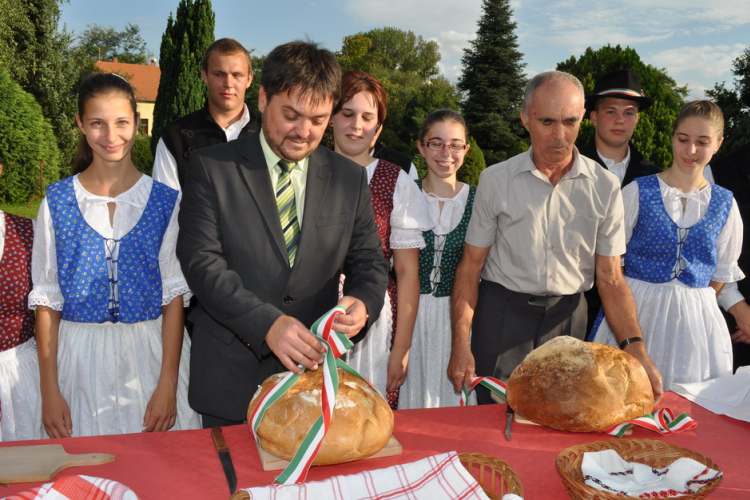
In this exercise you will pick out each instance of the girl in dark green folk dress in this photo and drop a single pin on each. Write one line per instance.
(443, 144)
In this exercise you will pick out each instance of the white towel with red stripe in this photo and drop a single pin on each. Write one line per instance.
(78, 488)
(432, 478)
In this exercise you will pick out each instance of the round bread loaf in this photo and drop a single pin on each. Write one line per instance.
(361, 424)
(579, 386)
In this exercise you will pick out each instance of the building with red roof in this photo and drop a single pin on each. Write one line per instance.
(145, 82)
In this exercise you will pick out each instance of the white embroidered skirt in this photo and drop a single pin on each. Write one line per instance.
(684, 331)
(20, 401)
(107, 373)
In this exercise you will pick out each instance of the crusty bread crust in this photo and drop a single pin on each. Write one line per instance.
(579, 386)
(361, 424)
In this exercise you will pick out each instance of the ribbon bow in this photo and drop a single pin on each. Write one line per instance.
(336, 344)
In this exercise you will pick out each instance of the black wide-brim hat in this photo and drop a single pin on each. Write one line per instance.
(620, 84)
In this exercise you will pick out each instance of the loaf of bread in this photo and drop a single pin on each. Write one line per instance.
(361, 424)
(579, 386)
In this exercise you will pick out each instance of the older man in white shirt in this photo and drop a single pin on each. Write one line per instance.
(544, 224)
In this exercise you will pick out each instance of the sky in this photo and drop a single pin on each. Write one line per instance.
(695, 41)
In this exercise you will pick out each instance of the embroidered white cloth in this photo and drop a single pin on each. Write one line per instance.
(432, 478)
(728, 395)
(607, 471)
(78, 488)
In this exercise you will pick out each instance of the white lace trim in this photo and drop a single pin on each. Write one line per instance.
(41, 299)
(727, 273)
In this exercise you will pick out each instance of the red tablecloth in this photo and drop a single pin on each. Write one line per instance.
(184, 464)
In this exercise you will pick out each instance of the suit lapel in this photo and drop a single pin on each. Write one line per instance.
(254, 171)
(318, 179)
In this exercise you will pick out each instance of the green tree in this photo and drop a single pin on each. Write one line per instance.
(143, 159)
(492, 83)
(41, 58)
(251, 96)
(105, 43)
(735, 104)
(27, 144)
(181, 90)
(653, 135)
(406, 65)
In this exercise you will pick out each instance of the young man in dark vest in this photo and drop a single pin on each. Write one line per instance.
(613, 109)
(227, 72)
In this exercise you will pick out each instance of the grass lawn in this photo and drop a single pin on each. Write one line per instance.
(24, 211)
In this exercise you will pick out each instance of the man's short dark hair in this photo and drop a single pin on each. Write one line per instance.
(228, 47)
(304, 66)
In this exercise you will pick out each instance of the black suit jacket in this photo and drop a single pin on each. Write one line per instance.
(638, 166)
(732, 171)
(234, 258)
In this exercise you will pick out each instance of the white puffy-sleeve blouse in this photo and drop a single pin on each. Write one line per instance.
(411, 214)
(729, 243)
(129, 207)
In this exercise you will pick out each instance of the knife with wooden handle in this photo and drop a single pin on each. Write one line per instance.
(225, 458)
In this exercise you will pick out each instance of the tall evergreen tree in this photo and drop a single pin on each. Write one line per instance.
(653, 135)
(181, 90)
(493, 83)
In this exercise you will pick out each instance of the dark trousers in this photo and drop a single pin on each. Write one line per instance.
(740, 350)
(211, 421)
(509, 325)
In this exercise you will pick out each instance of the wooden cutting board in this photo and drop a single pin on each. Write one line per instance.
(23, 464)
(523, 420)
(272, 462)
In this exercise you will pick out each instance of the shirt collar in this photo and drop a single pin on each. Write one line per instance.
(579, 166)
(611, 163)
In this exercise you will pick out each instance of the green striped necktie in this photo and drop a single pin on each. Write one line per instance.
(287, 209)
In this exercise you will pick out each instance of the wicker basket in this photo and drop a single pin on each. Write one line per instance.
(646, 451)
(494, 476)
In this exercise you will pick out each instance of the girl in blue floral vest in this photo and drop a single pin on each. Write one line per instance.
(108, 288)
(684, 237)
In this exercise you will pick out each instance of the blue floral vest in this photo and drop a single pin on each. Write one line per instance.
(89, 275)
(655, 246)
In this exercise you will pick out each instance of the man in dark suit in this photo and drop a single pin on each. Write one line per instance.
(613, 109)
(260, 287)
(732, 171)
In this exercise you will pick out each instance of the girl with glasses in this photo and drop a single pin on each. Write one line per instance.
(443, 144)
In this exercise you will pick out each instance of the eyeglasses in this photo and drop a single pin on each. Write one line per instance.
(438, 146)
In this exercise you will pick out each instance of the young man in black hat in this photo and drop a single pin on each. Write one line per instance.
(613, 109)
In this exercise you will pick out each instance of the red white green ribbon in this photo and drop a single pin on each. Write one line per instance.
(336, 344)
(661, 421)
(493, 384)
